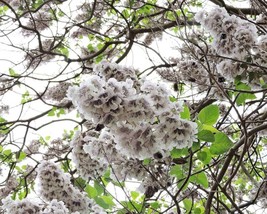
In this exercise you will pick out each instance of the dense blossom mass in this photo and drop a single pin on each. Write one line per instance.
(54, 184)
(55, 188)
(140, 116)
(237, 50)
(83, 132)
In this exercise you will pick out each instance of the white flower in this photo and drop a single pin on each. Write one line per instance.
(111, 70)
(24, 206)
(54, 184)
(131, 113)
(57, 92)
(55, 207)
(229, 69)
(87, 166)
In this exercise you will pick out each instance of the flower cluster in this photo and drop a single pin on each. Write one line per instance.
(4, 109)
(101, 100)
(262, 20)
(128, 169)
(111, 70)
(11, 184)
(29, 174)
(5, 84)
(233, 36)
(187, 70)
(93, 152)
(260, 56)
(239, 40)
(230, 69)
(57, 147)
(25, 206)
(58, 92)
(238, 49)
(54, 184)
(33, 147)
(101, 147)
(40, 20)
(55, 207)
(157, 178)
(34, 58)
(86, 166)
(138, 113)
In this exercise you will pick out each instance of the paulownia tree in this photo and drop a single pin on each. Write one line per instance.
(132, 106)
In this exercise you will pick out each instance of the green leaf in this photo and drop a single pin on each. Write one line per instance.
(47, 137)
(262, 83)
(106, 177)
(80, 183)
(204, 156)
(99, 188)
(90, 48)
(209, 128)
(42, 141)
(242, 97)
(182, 183)
(155, 205)
(221, 144)
(65, 165)
(61, 13)
(125, 13)
(101, 202)
(3, 128)
(22, 194)
(18, 169)
(146, 161)
(7, 152)
(209, 115)
(173, 99)
(134, 195)
(132, 206)
(146, 21)
(201, 179)
(22, 156)
(3, 9)
(63, 50)
(185, 114)
(60, 112)
(237, 79)
(37, 3)
(108, 200)
(52, 112)
(12, 72)
(195, 146)
(2, 120)
(99, 58)
(177, 171)
(170, 15)
(25, 97)
(188, 204)
(197, 210)
(206, 135)
(177, 153)
(100, 46)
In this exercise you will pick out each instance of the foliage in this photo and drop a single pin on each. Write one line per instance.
(181, 130)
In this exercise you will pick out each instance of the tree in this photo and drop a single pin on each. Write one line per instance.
(78, 124)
